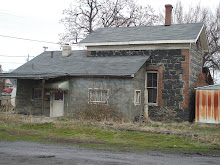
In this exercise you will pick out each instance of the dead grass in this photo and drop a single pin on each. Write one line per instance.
(97, 132)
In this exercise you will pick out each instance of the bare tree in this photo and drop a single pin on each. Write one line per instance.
(87, 15)
(79, 20)
(212, 59)
(196, 14)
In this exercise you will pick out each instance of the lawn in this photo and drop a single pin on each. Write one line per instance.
(167, 137)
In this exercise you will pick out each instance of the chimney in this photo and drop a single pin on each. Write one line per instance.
(168, 15)
(66, 50)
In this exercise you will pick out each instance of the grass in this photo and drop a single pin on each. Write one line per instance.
(172, 137)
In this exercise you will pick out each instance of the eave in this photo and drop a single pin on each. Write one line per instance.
(138, 42)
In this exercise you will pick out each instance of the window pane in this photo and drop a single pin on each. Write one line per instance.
(138, 97)
(98, 95)
(91, 97)
(58, 95)
(152, 84)
(150, 95)
(37, 93)
(104, 95)
(154, 96)
(154, 79)
(149, 80)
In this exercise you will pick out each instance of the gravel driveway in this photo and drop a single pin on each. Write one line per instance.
(26, 153)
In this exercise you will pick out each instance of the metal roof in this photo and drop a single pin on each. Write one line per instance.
(174, 32)
(210, 87)
(77, 64)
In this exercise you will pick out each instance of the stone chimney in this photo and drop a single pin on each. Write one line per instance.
(66, 50)
(168, 14)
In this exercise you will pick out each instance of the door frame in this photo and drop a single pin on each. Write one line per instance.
(52, 99)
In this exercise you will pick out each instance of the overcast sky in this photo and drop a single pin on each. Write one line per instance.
(39, 20)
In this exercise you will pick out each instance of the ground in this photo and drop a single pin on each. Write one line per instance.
(25, 153)
(68, 141)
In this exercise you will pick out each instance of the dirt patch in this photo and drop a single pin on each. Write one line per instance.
(74, 140)
(3, 130)
(19, 133)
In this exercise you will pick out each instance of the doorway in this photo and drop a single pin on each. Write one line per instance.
(57, 104)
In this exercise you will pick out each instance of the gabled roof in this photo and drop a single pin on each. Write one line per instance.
(175, 33)
(77, 64)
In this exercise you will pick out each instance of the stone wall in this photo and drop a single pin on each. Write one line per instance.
(121, 93)
(196, 57)
(173, 78)
(196, 64)
(118, 53)
(171, 94)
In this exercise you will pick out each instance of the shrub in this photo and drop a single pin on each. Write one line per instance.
(98, 112)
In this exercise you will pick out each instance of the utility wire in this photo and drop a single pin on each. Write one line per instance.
(28, 39)
(13, 62)
(14, 56)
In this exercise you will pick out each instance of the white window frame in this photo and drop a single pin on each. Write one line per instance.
(152, 87)
(97, 101)
(136, 102)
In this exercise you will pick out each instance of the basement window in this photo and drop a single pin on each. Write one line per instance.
(152, 86)
(97, 96)
(137, 97)
(37, 93)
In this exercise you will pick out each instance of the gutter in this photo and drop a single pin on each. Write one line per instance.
(138, 42)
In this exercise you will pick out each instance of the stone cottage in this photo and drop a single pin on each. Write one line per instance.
(139, 70)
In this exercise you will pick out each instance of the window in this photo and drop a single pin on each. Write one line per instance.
(37, 93)
(58, 96)
(97, 95)
(137, 97)
(151, 85)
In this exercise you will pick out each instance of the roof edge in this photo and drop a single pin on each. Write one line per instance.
(209, 87)
(204, 40)
(138, 42)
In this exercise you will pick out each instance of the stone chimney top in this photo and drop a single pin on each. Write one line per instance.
(66, 50)
(168, 14)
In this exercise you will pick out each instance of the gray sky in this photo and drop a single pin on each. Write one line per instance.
(39, 20)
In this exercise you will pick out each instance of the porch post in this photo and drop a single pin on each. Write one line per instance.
(146, 103)
(42, 101)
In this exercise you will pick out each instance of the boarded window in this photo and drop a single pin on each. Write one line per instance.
(37, 93)
(152, 85)
(137, 97)
(97, 95)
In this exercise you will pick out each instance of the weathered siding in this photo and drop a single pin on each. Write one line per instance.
(121, 93)
(208, 106)
(25, 103)
(138, 83)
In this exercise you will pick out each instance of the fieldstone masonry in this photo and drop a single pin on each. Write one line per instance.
(119, 53)
(177, 69)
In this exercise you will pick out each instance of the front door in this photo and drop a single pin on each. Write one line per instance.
(57, 104)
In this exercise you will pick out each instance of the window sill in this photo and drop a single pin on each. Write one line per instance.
(152, 104)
